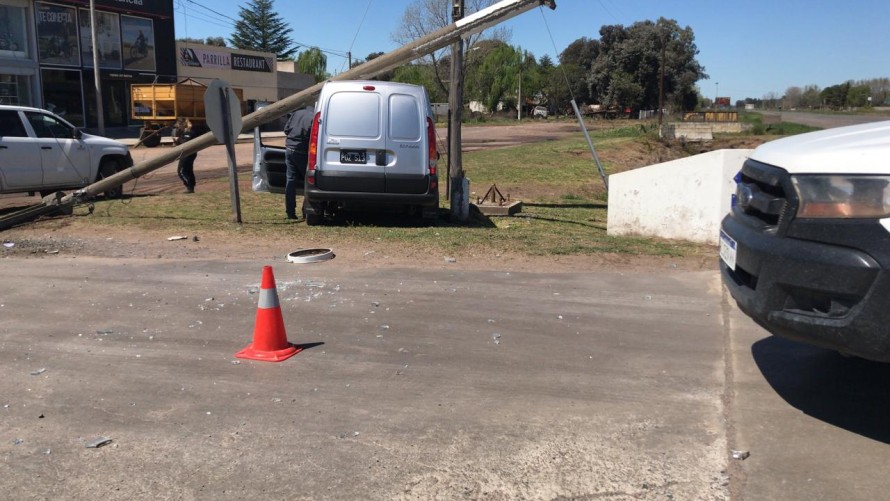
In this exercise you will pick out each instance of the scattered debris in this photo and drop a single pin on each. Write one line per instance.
(9, 245)
(347, 434)
(740, 455)
(178, 237)
(52, 251)
(195, 238)
(496, 337)
(41, 416)
(236, 362)
(38, 372)
(104, 331)
(99, 442)
(18, 441)
(449, 259)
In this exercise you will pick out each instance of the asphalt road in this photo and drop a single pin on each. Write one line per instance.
(825, 121)
(417, 384)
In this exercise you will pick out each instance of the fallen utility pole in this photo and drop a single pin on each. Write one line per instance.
(442, 38)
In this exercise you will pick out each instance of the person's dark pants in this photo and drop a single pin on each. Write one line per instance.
(296, 172)
(186, 171)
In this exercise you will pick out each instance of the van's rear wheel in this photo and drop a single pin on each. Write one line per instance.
(312, 213)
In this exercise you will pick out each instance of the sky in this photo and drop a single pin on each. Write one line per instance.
(749, 48)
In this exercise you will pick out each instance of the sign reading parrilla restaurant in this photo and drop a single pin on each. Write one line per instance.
(198, 57)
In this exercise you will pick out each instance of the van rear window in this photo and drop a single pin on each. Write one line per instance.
(354, 114)
(404, 117)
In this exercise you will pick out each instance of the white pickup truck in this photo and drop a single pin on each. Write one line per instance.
(42, 153)
(806, 248)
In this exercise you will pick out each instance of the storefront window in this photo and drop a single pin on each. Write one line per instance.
(138, 38)
(109, 39)
(63, 94)
(12, 32)
(15, 89)
(57, 35)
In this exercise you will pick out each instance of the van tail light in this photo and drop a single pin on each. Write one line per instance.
(313, 151)
(431, 142)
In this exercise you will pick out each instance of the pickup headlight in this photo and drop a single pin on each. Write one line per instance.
(844, 197)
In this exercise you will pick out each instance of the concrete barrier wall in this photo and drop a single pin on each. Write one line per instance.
(683, 199)
(700, 131)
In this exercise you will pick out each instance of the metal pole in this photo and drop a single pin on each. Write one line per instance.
(100, 112)
(596, 157)
(230, 149)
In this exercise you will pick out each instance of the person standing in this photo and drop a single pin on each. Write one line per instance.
(183, 132)
(296, 155)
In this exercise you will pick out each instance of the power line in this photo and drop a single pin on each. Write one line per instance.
(359, 29)
(220, 14)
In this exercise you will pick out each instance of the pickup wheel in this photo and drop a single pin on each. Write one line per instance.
(110, 167)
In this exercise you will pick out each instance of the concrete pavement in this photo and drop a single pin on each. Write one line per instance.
(417, 384)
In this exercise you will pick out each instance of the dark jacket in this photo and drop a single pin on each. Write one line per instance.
(183, 134)
(298, 128)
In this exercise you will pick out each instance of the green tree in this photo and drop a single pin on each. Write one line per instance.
(811, 97)
(576, 61)
(214, 41)
(857, 96)
(312, 61)
(633, 57)
(423, 17)
(835, 96)
(261, 28)
(421, 74)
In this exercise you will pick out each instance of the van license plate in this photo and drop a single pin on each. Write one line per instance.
(353, 156)
(727, 250)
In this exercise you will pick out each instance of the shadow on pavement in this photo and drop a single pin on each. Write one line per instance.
(850, 393)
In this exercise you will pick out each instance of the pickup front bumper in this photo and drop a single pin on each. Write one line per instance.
(821, 293)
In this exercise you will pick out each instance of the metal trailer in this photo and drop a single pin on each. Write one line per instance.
(159, 105)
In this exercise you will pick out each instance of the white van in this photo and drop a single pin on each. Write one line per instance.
(372, 144)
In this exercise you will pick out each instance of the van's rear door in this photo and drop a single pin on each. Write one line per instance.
(406, 167)
(352, 143)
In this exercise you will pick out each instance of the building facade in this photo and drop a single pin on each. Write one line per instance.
(255, 73)
(46, 54)
(46, 58)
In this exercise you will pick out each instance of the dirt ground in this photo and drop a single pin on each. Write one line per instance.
(60, 235)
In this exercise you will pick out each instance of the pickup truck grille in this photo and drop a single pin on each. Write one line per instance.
(764, 193)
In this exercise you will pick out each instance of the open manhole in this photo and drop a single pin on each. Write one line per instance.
(310, 256)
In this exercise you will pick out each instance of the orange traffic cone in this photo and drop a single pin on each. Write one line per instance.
(269, 339)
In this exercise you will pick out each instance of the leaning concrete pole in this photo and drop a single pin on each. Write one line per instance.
(463, 28)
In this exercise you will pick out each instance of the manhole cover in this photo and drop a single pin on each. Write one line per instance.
(310, 255)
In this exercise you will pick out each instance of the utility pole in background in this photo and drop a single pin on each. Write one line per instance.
(100, 112)
(661, 82)
(458, 184)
